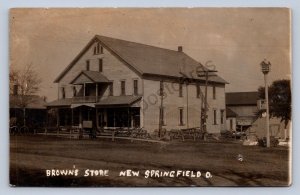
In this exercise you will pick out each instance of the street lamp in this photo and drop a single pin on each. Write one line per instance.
(265, 68)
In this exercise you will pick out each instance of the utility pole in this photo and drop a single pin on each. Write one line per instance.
(204, 105)
(265, 67)
(161, 112)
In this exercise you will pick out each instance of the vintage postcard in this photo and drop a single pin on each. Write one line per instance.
(150, 97)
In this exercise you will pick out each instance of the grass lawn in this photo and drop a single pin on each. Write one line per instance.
(31, 156)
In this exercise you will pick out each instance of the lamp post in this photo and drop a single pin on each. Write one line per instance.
(265, 68)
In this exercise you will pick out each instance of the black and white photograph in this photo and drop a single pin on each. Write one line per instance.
(150, 97)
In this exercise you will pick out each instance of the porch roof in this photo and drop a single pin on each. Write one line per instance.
(119, 100)
(60, 102)
(89, 77)
(109, 101)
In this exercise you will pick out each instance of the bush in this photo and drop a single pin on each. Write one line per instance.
(263, 142)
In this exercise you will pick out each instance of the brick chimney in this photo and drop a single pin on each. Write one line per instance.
(179, 48)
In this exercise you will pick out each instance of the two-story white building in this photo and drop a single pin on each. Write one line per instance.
(117, 83)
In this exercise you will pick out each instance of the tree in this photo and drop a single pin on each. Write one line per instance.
(23, 84)
(279, 99)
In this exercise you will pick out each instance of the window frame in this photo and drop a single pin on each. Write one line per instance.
(63, 92)
(181, 116)
(180, 89)
(100, 65)
(123, 88)
(214, 92)
(215, 117)
(161, 88)
(135, 87)
(222, 111)
(98, 49)
(111, 89)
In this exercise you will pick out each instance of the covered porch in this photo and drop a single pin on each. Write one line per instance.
(110, 113)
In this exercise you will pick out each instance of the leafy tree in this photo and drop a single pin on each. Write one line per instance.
(27, 82)
(279, 99)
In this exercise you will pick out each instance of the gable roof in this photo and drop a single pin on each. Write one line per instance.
(242, 98)
(92, 76)
(147, 60)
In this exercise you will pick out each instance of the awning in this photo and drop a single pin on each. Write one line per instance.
(83, 104)
(128, 100)
(89, 77)
(120, 101)
(60, 103)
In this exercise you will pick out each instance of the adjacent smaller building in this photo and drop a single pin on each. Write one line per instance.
(230, 120)
(244, 104)
(242, 115)
(34, 110)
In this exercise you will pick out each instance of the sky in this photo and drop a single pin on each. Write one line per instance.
(235, 40)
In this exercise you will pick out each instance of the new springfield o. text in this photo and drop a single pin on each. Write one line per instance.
(152, 173)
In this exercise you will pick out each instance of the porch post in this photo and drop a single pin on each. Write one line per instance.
(80, 116)
(128, 117)
(96, 92)
(187, 105)
(72, 117)
(97, 117)
(57, 118)
(114, 118)
(84, 89)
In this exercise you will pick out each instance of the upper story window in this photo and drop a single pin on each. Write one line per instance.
(198, 90)
(214, 92)
(161, 88)
(180, 90)
(222, 116)
(135, 87)
(87, 65)
(111, 89)
(98, 49)
(63, 93)
(123, 88)
(100, 65)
